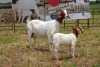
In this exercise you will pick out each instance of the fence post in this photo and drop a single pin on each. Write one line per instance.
(12, 26)
(77, 22)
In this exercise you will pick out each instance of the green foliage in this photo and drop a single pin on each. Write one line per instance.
(5, 6)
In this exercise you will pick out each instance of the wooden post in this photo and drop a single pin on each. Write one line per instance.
(77, 22)
(12, 26)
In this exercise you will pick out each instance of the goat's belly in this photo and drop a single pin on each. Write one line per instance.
(65, 42)
(41, 34)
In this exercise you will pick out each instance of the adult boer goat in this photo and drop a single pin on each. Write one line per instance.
(44, 28)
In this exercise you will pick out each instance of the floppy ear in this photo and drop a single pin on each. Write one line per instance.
(81, 29)
(73, 27)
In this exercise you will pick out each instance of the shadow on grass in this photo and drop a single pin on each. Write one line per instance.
(42, 49)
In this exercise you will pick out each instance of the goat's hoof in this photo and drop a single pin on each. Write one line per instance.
(35, 48)
(73, 57)
(29, 46)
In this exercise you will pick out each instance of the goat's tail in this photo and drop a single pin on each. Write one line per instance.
(54, 31)
(28, 19)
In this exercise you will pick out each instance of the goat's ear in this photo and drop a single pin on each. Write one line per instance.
(73, 27)
(80, 28)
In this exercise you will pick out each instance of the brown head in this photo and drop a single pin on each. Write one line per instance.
(60, 16)
(77, 30)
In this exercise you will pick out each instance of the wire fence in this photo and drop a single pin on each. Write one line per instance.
(9, 23)
(94, 21)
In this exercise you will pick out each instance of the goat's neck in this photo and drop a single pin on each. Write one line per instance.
(75, 33)
(59, 20)
(57, 24)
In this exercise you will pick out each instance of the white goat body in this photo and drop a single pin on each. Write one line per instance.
(42, 28)
(66, 39)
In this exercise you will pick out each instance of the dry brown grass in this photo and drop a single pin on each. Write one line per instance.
(14, 51)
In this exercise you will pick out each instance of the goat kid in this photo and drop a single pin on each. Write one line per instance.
(44, 28)
(67, 39)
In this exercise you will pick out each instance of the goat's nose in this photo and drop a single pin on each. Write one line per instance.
(66, 17)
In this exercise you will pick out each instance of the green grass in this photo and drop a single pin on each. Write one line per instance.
(14, 51)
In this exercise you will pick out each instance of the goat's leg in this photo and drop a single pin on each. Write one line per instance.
(30, 36)
(50, 40)
(34, 37)
(51, 46)
(55, 51)
(73, 50)
(30, 42)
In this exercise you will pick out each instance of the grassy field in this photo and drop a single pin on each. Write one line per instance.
(15, 51)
